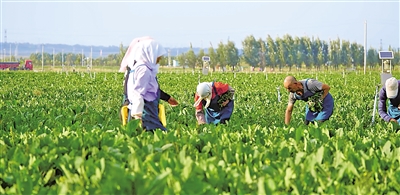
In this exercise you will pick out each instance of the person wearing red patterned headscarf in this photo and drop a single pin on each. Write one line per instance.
(214, 102)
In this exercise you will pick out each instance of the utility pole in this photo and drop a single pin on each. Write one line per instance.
(91, 57)
(53, 57)
(169, 57)
(62, 60)
(365, 47)
(42, 58)
(16, 50)
(82, 58)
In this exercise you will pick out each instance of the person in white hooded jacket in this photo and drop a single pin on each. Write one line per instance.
(128, 59)
(142, 86)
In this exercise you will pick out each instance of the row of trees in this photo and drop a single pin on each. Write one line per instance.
(288, 51)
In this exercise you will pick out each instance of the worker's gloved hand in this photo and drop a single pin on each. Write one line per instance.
(137, 116)
(223, 104)
(172, 101)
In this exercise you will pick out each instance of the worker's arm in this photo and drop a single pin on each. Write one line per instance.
(325, 89)
(288, 113)
(199, 112)
(166, 97)
(382, 109)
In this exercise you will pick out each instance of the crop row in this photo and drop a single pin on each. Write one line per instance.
(60, 133)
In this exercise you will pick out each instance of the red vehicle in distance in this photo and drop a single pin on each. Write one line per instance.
(15, 65)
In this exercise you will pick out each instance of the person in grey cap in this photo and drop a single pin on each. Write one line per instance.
(217, 99)
(389, 92)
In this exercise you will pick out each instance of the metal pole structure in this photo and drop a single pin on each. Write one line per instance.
(82, 58)
(53, 57)
(42, 59)
(16, 50)
(374, 110)
(91, 57)
(279, 94)
(365, 47)
(62, 61)
(10, 53)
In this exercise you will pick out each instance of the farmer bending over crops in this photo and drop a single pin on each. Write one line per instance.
(390, 92)
(319, 105)
(143, 90)
(217, 99)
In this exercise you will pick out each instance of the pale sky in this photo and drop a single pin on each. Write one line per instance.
(179, 23)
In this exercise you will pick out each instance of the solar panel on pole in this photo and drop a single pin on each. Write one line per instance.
(386, 55)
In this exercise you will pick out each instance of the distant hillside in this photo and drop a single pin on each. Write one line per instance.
(26, 49)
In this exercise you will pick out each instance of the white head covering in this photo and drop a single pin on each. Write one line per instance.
(128, 57)
(392, 86)
(204, 90)
(146, 52)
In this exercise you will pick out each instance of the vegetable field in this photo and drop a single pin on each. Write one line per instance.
(60, 133)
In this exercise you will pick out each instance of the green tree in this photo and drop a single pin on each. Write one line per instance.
(68, 59)
(325, 53)
(213, 57)
(251, 50)
(181, 60)
(163, 61)
(199, 59)
(396, 55)
(272, 52)
(372, 58)
(356, 54)
(291, 49)
(298, 54)
(120, 56)
(303, 54)
(191, 58)
(231, 55)
(283, 53)
(36, 59)
(264, 60)
(334, 55)
(345, 55)
(79, 58)
(221, 55)
(307, 52)
(316, 54)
